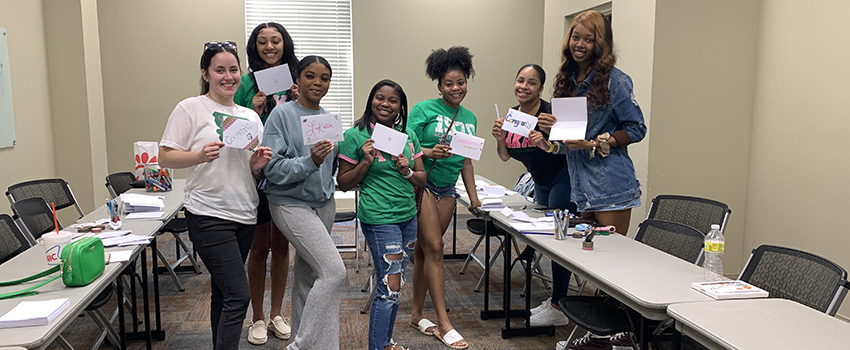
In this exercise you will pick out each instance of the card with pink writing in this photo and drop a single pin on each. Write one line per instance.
(518, 122)
(468, 146)
(315, 128)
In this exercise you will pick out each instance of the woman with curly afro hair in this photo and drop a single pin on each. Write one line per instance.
(434, 121)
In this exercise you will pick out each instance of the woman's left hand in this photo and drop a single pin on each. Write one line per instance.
(260, 158)
(474, 203)
(403, 165)
(538, 140)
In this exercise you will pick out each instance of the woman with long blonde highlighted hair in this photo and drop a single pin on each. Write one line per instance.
(602, 177)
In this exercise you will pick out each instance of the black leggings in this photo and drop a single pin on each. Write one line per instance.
(223, 246)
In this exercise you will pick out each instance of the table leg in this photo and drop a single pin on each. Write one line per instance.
(121, 326)
(145, 301)
(158, 334)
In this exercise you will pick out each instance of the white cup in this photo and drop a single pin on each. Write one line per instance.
(53, 244)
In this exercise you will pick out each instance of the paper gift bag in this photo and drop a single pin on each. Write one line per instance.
(144, 152)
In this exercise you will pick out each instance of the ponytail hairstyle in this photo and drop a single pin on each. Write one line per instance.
(441, 61)
(400, 119)
(603, 58)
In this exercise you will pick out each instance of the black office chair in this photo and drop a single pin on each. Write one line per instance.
(797, 275)
(119, 183)
(604, 315)
(12, 240)
(55, 191)
(699, 213)
(37, 218)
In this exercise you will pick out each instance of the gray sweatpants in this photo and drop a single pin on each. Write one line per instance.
(318, 276)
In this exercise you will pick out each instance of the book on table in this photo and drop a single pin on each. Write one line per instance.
(729, 290)
(34, 313)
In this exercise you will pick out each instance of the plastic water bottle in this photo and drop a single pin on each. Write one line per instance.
(714, 244)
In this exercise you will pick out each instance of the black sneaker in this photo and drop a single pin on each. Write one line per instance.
(589, 342)
(622, 341)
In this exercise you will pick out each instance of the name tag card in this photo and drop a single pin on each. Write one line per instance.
(518, 122)
(237, 132)
(572, 118)
(273, 80)
(465, 145)
(315, 128)
(388, 140)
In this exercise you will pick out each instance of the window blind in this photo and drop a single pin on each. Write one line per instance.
(318, 27)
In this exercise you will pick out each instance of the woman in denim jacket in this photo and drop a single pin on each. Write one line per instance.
(602, 176)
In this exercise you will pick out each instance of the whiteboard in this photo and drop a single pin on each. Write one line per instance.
(7, 116)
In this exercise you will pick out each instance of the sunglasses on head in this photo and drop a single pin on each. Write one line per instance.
(215, 45)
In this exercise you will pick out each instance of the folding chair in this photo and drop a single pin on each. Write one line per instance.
(55, 191)
(607, 316)
(797, 275)
(346, 216)
(37, 217)
(119, 183)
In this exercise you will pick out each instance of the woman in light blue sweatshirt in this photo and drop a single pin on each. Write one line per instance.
(300, 190)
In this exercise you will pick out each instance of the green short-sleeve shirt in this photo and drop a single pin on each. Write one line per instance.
(430, 119)
(386, 197)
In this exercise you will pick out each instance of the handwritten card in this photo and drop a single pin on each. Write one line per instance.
(572, 118)
(518, 122)
(388, 140)
(465, 145)
(237, 132)
(315, 128)
(273, 80)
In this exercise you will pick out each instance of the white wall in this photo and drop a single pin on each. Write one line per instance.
(798, 185)
(33, 156)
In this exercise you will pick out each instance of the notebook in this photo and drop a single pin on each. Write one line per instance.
(34, 313)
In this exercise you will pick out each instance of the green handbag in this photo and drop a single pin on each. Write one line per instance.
(82, 261)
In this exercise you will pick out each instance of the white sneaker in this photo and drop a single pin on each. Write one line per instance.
(258, 333)
(546, 304)
(561, 345)
(281, 329)
(549, 317)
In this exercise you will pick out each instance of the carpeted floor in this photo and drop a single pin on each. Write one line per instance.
(185, 315)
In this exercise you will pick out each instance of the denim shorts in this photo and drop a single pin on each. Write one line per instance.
(440, 192)
(628, 204)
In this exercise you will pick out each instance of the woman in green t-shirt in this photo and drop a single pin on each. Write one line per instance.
(268, 46)
(387, 206)
(433, 121)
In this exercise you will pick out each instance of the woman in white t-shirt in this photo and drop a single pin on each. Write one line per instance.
(220, 199)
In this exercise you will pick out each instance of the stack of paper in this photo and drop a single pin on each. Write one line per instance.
(134, 203)
(125, 240)
(488, 204)
(34, 313)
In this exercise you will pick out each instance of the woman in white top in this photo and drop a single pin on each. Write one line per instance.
(220, 200)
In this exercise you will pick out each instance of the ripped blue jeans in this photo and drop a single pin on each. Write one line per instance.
(385, 240)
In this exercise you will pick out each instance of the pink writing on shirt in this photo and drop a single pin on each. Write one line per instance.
(278, 99)
(517, 141)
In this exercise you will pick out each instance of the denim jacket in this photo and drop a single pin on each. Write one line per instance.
(605, 181)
